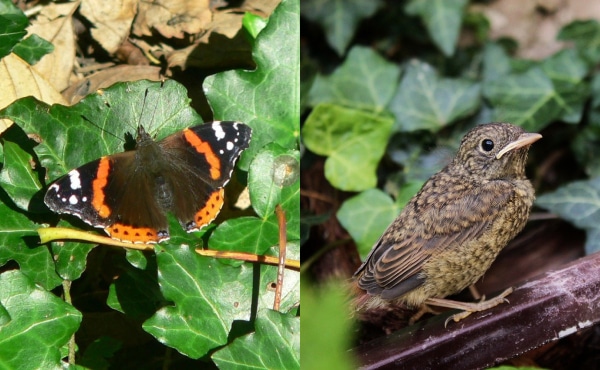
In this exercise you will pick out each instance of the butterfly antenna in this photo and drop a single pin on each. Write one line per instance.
(100, 128)
(153, 115)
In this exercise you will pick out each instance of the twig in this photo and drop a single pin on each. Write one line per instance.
(49, 234)
(282, 250)
(66, 284)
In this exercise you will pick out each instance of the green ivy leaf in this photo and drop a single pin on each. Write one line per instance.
(96, 355)
(268, 98)
(274, 345)
(70, 258)
(586, 35)
(253, 23)
(339, 18)
(135, 292)
(424, 101)
(34, 335)
(207, 297)
(579, 203)
(365, 80)
(13, 24)
(528, 99)
(496, 63)
(269, 173)
(19, 242)
(246, 234)
(33, 48)
(443, 20)
(366, 216)
(17, 177)
(567, 72)
(354, 141)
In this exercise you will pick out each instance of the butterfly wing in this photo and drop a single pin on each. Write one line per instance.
(205, 156)
(113, 193)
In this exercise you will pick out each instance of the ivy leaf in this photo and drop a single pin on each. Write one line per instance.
(33, 48)
(246, 234)
(442, 19)
(527, 99)
(567, 72)
(586, 35)
(354, 141)
(366, 216)
(271, 170)
(268, 98)
(339, 18)
(19, 241)
(424, 101)
(496, 63)
(13, 24)
(274, 345)
(207, 297)
(135, 292)
(18, 178)
(365, 80)
(579, 203)
(35, 335)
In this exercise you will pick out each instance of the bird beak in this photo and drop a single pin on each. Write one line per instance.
(523, 140)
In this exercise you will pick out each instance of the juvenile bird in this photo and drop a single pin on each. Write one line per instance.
(449, 234)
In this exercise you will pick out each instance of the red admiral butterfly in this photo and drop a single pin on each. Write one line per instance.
(128, 194)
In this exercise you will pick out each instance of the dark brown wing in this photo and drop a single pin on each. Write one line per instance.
(432, 221)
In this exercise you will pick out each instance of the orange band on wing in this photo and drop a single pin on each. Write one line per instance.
(98, 185)
(211, 209)
(203, 147)
(127, 233)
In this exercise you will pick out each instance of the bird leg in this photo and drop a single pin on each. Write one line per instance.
(467, 307)
(423, 309)
(475, 293)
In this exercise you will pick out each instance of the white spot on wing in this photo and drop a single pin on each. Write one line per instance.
(73, 200)
(219, 133)
(229, 145)
(75, 180)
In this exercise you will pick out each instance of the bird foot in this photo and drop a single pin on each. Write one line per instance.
(468, 307)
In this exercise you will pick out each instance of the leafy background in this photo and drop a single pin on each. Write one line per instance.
(389, 89)
(170, 308)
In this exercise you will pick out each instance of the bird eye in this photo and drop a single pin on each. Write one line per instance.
(487, 145)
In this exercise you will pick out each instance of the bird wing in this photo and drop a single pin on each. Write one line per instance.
(392, 268)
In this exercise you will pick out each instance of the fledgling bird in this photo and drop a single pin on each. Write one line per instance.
(449, 234)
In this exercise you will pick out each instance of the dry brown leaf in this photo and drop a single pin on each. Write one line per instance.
(19, 79)
(535, 24)
(225, 23)
(173, 18)
(111, 20)
(55, 24)
(108, 77)
(262, 8)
